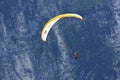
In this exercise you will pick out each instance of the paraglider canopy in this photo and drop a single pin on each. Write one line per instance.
(52, 21)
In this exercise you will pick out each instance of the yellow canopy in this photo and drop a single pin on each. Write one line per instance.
(52, 21)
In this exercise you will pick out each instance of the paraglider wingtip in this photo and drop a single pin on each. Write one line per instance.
(81, 18)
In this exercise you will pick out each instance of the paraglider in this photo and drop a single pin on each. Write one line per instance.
(52, 21)
(75, 55)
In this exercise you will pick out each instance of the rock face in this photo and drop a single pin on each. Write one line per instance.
(24, 56)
